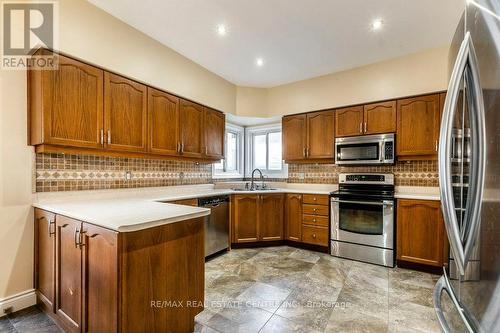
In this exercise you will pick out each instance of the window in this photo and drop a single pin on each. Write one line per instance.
(232, 166)
(263, 151)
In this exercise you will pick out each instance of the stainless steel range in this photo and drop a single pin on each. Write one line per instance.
(362, 218)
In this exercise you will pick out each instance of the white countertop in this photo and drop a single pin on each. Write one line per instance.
(126, 210)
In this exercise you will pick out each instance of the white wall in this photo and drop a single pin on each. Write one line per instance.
(16, 221)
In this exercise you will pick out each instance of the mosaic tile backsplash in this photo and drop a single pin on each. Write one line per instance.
(58, 172)
(406, 173)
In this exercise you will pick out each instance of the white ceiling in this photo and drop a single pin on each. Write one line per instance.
(298, 39)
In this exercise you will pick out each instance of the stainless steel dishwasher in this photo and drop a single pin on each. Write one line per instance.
(217, 225)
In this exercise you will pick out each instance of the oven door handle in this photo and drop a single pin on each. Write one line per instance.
(379, 203)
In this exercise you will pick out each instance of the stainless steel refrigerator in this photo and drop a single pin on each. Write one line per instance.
(467, 296)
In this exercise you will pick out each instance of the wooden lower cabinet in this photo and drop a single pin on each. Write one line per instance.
(106, 281)
(293, 217)
(257, 217)
(271, 217)
(45, 265)
(421, 236)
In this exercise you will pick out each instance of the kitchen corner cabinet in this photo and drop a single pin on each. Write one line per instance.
(309, 137)
(257, 217)
(82, 109)
(421, 236)
(418, 125)
(99, 280)
(293, 217)
(214, 133)
(125, 114)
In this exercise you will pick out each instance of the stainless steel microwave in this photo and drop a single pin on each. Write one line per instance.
(366, 149)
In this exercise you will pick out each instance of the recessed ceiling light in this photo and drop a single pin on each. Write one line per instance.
(221, 30)
(259, 62)
(377, 24)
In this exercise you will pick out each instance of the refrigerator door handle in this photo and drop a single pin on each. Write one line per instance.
(478, 156)
(443, 285)
(466, 64)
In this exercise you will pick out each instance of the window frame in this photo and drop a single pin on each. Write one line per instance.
(252, 131)
(240, 155)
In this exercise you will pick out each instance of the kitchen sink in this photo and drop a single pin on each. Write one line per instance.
(256, 189)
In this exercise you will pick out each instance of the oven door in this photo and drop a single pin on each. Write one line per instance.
(359, 153)
(369, 222)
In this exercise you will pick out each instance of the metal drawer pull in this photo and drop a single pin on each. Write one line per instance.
(77, 237)
(49, 227)
(314, 236)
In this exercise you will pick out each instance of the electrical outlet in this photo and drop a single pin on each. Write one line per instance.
(128, 175)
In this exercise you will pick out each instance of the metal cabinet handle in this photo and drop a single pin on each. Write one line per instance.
(314, 220)
(314, 199)
(49, 227)
(466, 64)
(314, 236)
(182, 147)
(443, 285)
(304, 152)
(366, 127)
(77, 237)
(81, 241)
(109, 137)
(360, 127)
(102, 136)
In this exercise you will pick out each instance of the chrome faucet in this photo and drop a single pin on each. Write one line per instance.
(252, 185)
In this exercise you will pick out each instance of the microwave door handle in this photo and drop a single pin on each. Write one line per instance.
(478, 144)
(444, 158)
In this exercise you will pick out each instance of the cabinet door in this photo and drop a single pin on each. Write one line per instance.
(293, 217)
(320, 134)
(380, 118)
(101, 279)
(418, 122)
(271, 217)
(72, 98)
(294, 137)
(69, 274)
(420, 232)
(45, 255)
(349, 121)
(191, 129)
(125, 114)
(215, 125)
(163, 112)
(245, 217)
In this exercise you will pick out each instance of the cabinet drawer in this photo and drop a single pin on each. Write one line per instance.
(315, 235)
(315, 210)
(315, 220)
(316, 199)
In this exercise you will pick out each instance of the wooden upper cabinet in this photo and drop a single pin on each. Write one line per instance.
(69, 274)
(191, 129)
(214, 125)
(271, 217)
(320, 134)
(245, 218)
(380, 118)
(293, 217)
(45, 265)
(294, 137)
(125, 110)
(349, 121)
(163, 111)
(421, 232)
(66, 105)
(418, 122)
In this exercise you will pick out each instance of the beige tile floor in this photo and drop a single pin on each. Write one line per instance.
(284, 289)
